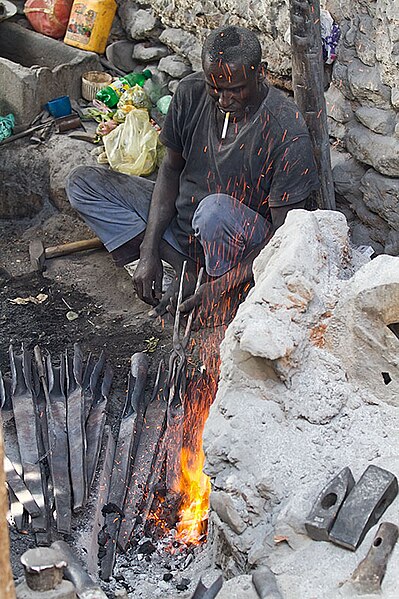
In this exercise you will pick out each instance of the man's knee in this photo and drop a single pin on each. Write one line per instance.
(79, 185)
(211, 214)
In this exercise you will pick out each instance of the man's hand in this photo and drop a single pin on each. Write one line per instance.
(205, 300)
(147, 279)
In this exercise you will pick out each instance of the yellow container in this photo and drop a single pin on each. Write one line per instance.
(89, 24)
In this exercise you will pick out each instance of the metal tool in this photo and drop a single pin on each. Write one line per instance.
(38, 253)
(58, 443)
(76, 426)
(201, 592)
(368, 576)
(327, 505)
(124, 454)
(265, 583)
(177, 387)
(364, 506)
(74, 571)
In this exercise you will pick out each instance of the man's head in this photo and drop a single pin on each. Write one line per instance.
(231, 59)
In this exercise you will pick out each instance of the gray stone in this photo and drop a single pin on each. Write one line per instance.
(347, 175)
(239, 587)
(223, 505)
(144, 25)
(35, 68)
(364, 40)
(120, 53)
(381, 194)
(173, 85)
(147, 52)
(378, 151)
(184, 44)
(392, 243)
(395, 97)
(336, 130)
(175, 66)
(338, 107)
(376, 119)
(365, 84)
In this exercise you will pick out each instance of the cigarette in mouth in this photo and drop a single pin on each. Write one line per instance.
(225, 125)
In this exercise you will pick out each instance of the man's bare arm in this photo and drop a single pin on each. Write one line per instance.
(148, 275)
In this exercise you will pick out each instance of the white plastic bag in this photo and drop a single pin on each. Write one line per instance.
(132, 148)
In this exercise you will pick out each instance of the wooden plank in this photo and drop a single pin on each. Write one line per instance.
(308, 85)
(7, 589)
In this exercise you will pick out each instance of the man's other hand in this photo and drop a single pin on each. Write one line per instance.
(147, 279)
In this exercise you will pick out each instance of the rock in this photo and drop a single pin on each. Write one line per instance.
(376, 119)
(173, 85)
(378, 151)
(175, 66)
(120, 54)
(366, 86)
(239, 587)
(364, 42)
(144, 25)
(325, 397)
(381, 194)
(347, 175)
(336, 130)
(184, 44)
(146, 52)
(395, 97)
(338, 107)
(223, 505)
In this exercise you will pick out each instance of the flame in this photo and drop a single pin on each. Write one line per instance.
(194, 484)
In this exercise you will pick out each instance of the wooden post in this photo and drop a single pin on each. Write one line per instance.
(7, 590)
(308, 85)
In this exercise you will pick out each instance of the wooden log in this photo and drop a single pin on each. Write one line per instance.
(6, 578)
(308, 85)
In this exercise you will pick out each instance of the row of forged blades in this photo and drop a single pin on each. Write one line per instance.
(124, 454)
(59, 410)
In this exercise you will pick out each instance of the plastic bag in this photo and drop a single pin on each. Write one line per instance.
(132, 148)
(7, 124)
(49, 17)
(134, 97)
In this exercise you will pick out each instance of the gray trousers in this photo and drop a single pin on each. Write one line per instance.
(115, 206)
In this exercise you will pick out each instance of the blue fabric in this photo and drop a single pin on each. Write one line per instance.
(115, 206)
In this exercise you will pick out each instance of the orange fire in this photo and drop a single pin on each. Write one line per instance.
(194, 485)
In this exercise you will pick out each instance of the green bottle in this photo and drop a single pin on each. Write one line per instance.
(110, 95)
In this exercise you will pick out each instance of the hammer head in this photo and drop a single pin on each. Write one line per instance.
(37, 255)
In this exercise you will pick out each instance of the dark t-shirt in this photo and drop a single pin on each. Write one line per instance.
(267, 162)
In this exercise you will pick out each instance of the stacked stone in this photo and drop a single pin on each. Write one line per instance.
(362, 105)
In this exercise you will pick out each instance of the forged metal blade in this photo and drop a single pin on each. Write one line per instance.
(92, 390)
(20, 490)
(201, 592)
(75, 427)
(124, 454)
(95, 427)
(152, 431)
(26, 425)
(59, 444)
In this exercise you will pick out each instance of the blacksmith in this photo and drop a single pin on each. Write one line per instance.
(238, 159)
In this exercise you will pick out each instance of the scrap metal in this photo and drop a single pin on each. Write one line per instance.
(368, 576)
(327, 505)
(364, 506)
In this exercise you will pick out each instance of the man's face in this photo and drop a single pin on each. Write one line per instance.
(233, 87)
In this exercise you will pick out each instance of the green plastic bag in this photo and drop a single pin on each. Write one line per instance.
(7, 124)
(133, 147)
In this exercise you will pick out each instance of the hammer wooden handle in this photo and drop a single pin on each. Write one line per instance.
(75, 246)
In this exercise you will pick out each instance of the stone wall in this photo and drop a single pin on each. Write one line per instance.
(302, 395)
(362, 101)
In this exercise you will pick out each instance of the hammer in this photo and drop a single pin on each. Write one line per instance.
(38, 253)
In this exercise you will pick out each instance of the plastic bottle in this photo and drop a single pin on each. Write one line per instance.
(89, 24)
(110, 95)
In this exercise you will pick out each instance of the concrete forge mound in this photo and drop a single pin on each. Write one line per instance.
(309, 384)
